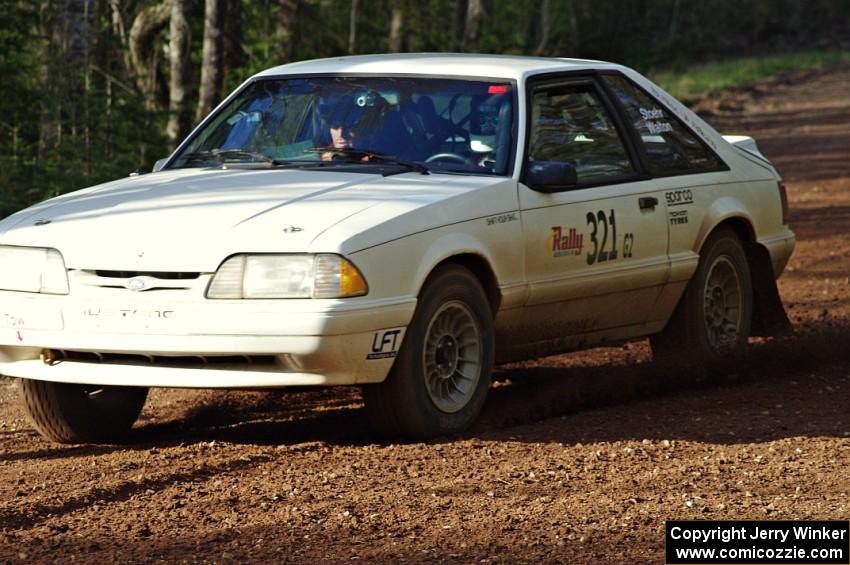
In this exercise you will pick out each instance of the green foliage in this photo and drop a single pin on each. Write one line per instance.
(54, 139)
(700, 79)
(18, 123)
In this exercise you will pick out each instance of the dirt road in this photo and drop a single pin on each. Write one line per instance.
(577, 458)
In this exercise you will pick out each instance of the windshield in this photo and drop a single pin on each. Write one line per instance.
(446, 125)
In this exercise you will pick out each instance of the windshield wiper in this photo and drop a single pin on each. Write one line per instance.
(223, 155)
(358, 156)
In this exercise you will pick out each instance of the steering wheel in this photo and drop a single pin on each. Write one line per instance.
(451, 157)
(446, 134)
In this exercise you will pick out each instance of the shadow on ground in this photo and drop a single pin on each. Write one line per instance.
(680, 399)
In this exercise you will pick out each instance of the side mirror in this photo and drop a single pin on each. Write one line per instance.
(159, 165)
(551, 176)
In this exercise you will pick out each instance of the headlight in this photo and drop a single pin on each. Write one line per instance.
(287, 276)
(32, 269)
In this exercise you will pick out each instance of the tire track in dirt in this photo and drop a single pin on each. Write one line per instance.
(33, 514)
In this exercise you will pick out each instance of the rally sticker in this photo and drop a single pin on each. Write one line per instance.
(565, 242)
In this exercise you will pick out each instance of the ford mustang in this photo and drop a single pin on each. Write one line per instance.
(397, 222)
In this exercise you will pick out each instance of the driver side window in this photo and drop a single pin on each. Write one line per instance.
(569, 124)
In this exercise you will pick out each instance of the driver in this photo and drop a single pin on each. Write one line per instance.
(342, 135)
(340, 120)
(349, 119)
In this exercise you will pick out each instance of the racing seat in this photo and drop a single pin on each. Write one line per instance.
(391, 137)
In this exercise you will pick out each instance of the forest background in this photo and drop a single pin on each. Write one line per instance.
(91, 90)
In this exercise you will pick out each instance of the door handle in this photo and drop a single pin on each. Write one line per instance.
(647, 202)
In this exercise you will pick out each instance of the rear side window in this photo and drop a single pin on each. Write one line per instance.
(570, 124)
(668, 147)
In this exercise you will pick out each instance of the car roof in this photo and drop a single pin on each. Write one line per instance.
(438, 64)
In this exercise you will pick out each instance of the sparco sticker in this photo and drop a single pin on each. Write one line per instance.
(679, 197)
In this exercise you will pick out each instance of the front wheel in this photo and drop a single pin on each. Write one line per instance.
(440, 379)
(714, 317)
(74, 413)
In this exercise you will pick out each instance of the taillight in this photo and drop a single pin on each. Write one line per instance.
(783, 195)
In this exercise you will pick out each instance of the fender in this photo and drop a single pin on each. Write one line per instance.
(722, 209)
(769, 316)
(444, 247)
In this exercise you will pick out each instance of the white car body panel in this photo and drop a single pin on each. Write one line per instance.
(395, 229)
(233, 210)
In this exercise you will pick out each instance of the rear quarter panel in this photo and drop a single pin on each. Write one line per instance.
(748, 190)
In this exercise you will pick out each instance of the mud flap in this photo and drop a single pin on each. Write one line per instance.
(769, 317)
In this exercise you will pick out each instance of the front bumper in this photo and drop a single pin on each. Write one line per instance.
(303, 342)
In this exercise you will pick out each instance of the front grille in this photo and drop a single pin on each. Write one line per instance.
(136, 281)
(54, 356)
(174, 276)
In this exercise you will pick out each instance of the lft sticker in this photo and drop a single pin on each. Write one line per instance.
(385, 344)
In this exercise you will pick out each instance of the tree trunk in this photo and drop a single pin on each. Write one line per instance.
(76, 19)
(397, 27)
(119, 29)
(232, 35)
(67, 26)
(573, 28)
(458, 23)
(674, 20)
(212, 66)
(545, 28)
(48, 122)
(474, 13)
(352, 28)
(179, 103)
(145, 56)
(286, 33)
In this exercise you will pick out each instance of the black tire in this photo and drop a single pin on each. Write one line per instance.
(72, 413)
(440, 379)
(712, 320)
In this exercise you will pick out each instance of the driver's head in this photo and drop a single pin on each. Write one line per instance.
(342, 117)
(353, 117)
(342, 136)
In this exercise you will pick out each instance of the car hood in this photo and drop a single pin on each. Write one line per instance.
(190, 219)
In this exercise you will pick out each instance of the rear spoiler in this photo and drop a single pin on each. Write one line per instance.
(746, 143)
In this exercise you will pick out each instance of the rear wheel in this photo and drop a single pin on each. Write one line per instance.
(440, 379)
(73, 413)
(714, 317)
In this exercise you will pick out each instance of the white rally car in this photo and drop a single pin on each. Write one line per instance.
(400, 222)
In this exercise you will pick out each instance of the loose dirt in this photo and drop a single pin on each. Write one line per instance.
(577, 458)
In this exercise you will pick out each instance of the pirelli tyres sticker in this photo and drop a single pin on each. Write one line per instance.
(678, 217)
